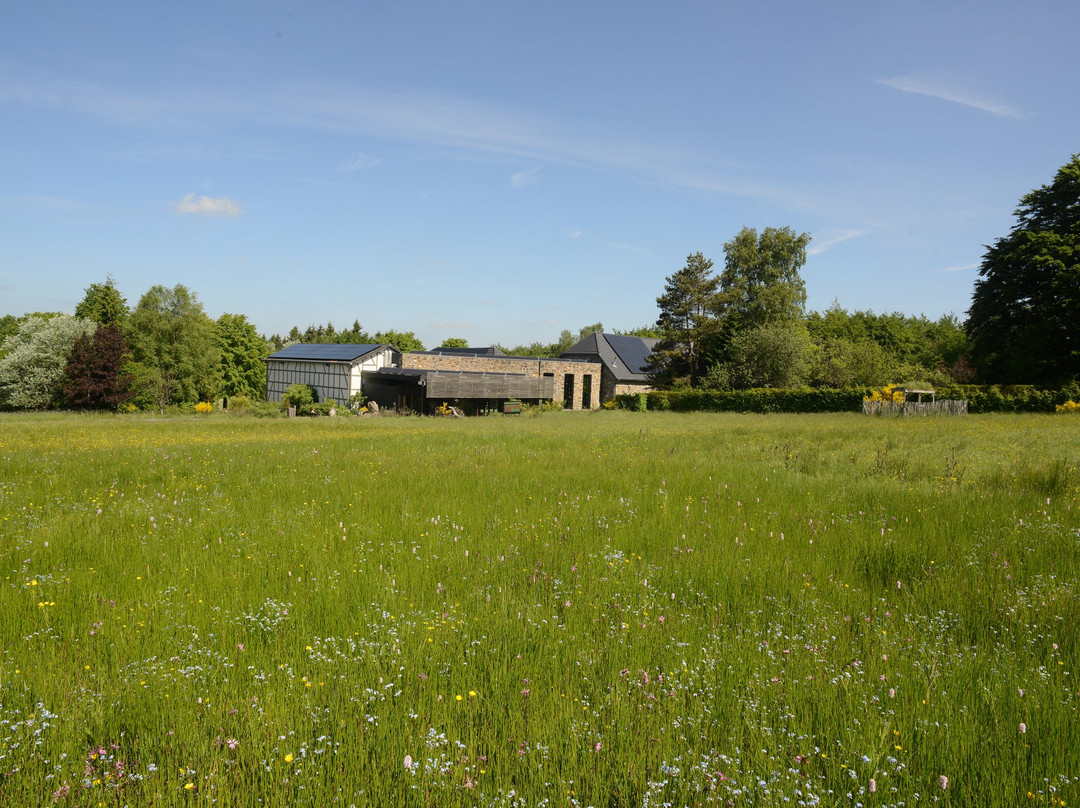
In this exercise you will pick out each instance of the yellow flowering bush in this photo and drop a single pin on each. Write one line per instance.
(889, 392)
(204, 408)
(1068, 406)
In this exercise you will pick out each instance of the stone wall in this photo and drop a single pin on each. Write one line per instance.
(583, 374)
(630, 388)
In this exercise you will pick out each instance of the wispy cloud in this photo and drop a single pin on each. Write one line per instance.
(950, 90)
(523, 178)
(833, 238)
(209, 206)
(360, 162)
(51, 208)
(445, 121)
(964, 268)
(575, 233)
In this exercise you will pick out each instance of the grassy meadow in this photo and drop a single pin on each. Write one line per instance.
(578, 609)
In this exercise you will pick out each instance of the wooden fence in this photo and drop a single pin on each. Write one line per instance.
(897, 408)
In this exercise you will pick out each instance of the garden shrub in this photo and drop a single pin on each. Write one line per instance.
(301, 396)
(760, 400)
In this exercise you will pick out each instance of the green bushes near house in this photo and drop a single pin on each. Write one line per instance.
(980, 398)
(760, 401)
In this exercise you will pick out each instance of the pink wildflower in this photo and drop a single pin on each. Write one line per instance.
(943, 781)
(1023, 728)
(873, 785)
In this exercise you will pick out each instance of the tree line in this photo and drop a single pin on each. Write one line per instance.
(747, 327)
(743, 327)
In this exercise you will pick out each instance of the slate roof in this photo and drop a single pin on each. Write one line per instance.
(423, 373)
(327, 352)
(491, 351)
(626, 357)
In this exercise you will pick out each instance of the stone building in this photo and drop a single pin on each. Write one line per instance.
(480, 379)
(624, 360)
(474, 379)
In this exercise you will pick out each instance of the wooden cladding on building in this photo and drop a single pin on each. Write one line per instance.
(488, 386)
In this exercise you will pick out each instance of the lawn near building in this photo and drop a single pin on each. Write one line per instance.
(605, 609)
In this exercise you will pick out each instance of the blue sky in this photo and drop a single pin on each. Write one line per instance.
(501, 171)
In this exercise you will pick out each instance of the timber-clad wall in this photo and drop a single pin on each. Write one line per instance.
(549, 371)
(329, 379)
(488, 386)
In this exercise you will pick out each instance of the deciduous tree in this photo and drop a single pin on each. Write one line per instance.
(760, 284)
(175, 358)
(242, 350)
(95, 373)
(404, 341)
(32, 370)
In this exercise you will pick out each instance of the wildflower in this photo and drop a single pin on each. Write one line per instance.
(892, 692)
(232, 743)
(189, 786)
(873, 785)
(472, 694)
(408, 763)
(288, 758)
(943, 781)
(458, 697)
(598, 746)
(1023, 728)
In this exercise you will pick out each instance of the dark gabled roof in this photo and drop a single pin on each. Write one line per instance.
(423, 373)
(633, 351)
(327, 352)
(491, 351)
(626, 357)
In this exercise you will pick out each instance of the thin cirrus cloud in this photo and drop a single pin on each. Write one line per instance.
(208, 206)
(833, 239)
(360, 162)
(949, 90)
(439, 120)
(523, 178)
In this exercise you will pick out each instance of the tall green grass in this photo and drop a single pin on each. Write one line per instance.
(607, 609)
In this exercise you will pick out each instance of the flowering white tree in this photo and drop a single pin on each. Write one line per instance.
(32, 370)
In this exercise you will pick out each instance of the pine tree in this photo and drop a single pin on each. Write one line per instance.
(1026, 304)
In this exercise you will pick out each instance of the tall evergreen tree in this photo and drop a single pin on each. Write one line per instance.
(687, 322)
(1026, 304)
(103, 304)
